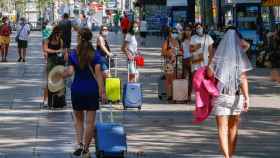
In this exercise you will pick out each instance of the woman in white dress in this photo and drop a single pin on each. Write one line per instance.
(229, 66)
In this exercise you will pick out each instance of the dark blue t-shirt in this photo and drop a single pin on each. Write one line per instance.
(84, 83)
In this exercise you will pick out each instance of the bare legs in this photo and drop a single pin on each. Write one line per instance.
(22, 54)
(4, 52)
(88, 133)
(228, 129)
(169, 80)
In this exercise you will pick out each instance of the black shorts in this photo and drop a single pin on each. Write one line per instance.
(143, 34)
(22, 44)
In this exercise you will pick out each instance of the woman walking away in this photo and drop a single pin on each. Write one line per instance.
(130, 49)
(86, 90)
(229, 66)
(103, 49)
(186, 39)
(22, 39)
(5, 32)
(169, 49)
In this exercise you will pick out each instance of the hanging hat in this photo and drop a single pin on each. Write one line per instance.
(54, 83)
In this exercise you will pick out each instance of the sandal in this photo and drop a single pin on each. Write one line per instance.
(86, 154)
(78, 150)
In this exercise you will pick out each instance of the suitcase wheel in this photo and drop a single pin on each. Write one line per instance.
(100, 154)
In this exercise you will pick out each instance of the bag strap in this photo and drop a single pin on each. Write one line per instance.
(204, 44)
(20, 30)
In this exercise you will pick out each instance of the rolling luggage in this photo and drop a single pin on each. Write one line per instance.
(161, 85)
(132, 95)
(56, 100)
(113, 86)
(110, 140)
(179, 85)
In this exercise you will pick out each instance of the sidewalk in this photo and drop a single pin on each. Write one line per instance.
(160, 130)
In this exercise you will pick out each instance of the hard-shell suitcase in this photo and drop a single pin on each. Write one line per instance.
(180, 90)
(132, 95)
(110, 140)
(113, 85)
(180, 86)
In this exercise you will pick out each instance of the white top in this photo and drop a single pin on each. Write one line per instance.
(132, 43)
(143, 26)
(205, 42)
(186, 49)
(24, 33)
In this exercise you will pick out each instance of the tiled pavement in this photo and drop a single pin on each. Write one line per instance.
(160, 130)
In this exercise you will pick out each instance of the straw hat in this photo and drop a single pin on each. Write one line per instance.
(56, 83)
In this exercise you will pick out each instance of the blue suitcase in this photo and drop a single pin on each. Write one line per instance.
(132, 96)
(110, 140)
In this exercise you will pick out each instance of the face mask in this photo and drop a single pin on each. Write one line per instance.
(135, 29)
(199, 31)
(175, 35)
(105, 33)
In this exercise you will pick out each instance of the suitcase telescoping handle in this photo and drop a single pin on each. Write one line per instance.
(111, 114)
(128, 62)
(114, 57)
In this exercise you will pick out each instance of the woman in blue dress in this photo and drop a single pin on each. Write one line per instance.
(86, 89)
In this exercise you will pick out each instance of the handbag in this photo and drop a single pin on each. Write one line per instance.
(139, 59)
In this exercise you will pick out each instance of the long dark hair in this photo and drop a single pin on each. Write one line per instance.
(85, 50)
(56, 31)
(131, 28)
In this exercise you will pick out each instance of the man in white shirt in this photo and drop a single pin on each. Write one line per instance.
(201, 46)
(22, 39)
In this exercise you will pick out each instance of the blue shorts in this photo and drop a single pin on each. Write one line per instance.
(104, 63)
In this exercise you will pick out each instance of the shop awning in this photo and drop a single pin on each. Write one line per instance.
(271, 3)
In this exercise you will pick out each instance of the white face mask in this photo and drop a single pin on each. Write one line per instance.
(199, 31)
(175, 35)
(105, 33)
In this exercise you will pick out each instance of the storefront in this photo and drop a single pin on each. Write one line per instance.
(246, 15)
(166, 12)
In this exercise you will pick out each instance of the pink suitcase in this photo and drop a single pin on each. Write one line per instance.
(180, 90)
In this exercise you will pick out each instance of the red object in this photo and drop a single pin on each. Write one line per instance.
(5, 30)
(125, 23)
(139, 59)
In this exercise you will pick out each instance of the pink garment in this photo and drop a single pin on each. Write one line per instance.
(204, 89)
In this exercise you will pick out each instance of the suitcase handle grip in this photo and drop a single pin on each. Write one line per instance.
(111, 114)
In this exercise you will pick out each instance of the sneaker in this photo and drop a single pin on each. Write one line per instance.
(23, 60)
(79, 150)
(86, 154)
